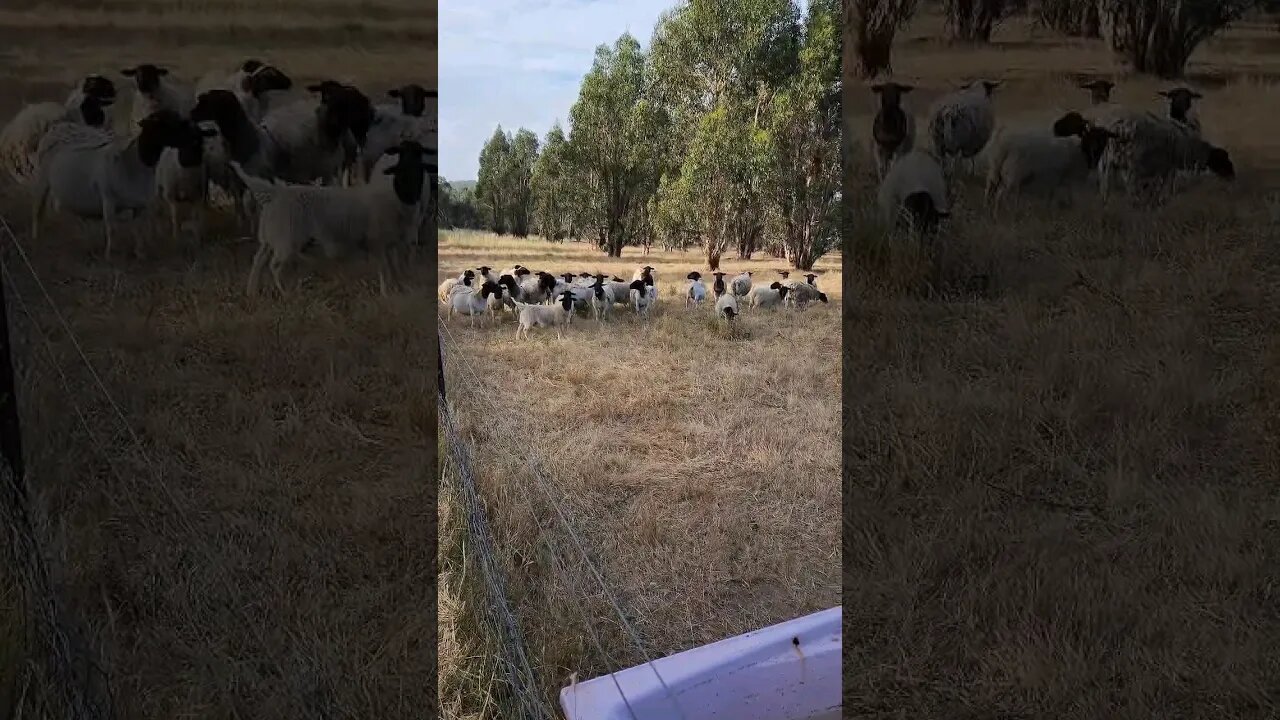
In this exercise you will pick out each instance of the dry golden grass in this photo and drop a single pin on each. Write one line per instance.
(699, 468)
(274, 556)
(1061, 494)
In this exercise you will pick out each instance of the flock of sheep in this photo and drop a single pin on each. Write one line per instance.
(1133, 150)
(541, 299)
(329, 169)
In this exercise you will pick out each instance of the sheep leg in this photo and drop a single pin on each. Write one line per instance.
(259, 262)
(108, 218)
(37, 213)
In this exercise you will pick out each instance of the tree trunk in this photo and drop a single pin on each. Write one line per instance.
(713, 259)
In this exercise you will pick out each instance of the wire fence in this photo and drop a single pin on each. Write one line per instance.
(57, 673)
(560, 539)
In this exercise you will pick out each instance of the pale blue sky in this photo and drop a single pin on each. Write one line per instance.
(518, 63)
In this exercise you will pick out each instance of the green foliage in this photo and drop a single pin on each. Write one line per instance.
(458, 207)
(615, 144)
(725, 136)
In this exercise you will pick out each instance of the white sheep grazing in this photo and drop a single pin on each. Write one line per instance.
(158, 90)
(643, 296)
(255, 84)
(741, 285)
(406, 119)
(557, 315)
(21, 136)
(961, 122)
(917, 189)
(771, 296)
(316, 139)
(803, 294)
(91, 174)
(1033, 160)
(380, 217)
(697, 290)
(727, 307)
(473, 302)
(182, 179)
(1180, 110)
(893, 132)
(1145, 152)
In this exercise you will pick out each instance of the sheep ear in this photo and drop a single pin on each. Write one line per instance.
(1164, 93)
(162, 71)
(906, 88)
(393, 92)
(877, 88)
(315, 88)
(1195, 95)
(129, 72)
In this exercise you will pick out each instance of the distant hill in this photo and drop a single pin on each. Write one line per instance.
(460, 185)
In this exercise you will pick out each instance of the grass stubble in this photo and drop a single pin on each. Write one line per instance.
(1060, 494)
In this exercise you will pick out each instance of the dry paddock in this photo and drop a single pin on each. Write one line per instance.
(698, 467)
(265, 551)
(1061, 493)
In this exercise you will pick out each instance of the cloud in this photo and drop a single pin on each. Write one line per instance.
(518, 63)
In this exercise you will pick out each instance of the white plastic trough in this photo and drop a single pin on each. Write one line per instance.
(760, 675)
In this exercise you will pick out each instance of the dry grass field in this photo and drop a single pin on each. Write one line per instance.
(699, 468)
(1061, 494)
(267, 549)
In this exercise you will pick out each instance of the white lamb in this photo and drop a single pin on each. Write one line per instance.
(771, 296)
(473, 302)
(379, 217)
(961, 122)
(915, 189)
(741, 285)
(557, 315)
(643, 296)
(91, 174)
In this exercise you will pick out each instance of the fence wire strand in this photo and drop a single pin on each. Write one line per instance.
(543, 482)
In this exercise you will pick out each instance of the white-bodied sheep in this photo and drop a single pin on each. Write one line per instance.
(315, 138)
(1146, 151)
(643, 296)
(257, 85)
(741, 285)
(21, 136)
(557, 315)
(472, 302)
(893, 132)
(406, 119)
(602, 299)
(803, 294)
(961, 122)
(91, 174)
(450, 284)
(537, 288)
(727, 306)
(621, 290)
(379, 217)
(915, 189)
(1038, 161)
(697, 290)
(770, 296)
(158, 90)
(182, 180)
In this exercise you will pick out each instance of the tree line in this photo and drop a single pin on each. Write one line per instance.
(723, 135)
(1155, 37)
